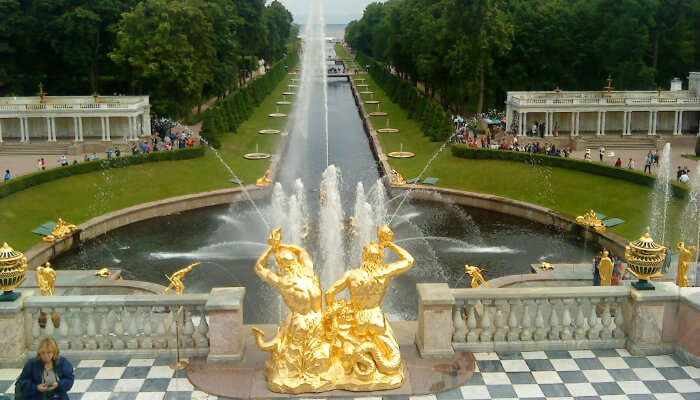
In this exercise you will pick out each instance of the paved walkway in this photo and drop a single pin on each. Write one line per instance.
(580, 375)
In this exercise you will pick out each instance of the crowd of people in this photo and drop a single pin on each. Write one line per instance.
(683, 174)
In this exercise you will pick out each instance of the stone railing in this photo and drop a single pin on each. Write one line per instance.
(605, 100)
(539, 318)
(68, 107)
(117, 326)
(661, 321)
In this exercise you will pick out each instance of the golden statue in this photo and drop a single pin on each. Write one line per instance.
(605, 269)
(103, 273)
(264, 180)
(367, 349)
(591, 219)
(176, 279)
(477, 278)
(545, 266)
(46, 279)
(350, 345)
(299, 357)
(61, 230)
(396, 178)
(686, 253)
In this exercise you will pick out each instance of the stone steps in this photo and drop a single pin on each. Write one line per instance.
(619, 143)
(16, 149)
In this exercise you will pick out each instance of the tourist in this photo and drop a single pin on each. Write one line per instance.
(8, 176)
(647, 162)
(587, 156)
(618, 163)
(596, 273)
(601, 153)
(43, 164)
(109, 153)
(38, 164)
(93, 156)
(656, 158)
(615, 280)
(630, 164)
(117, 152)
(86, 158)
(685, 178)
(47, 376)
(679, 173)
(63, 160)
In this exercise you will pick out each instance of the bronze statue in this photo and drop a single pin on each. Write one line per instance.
(684, 257)
(176, 279)
(477, 278)
(605, 269)
(46, 279)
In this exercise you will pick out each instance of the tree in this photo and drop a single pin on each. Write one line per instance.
(170, 46)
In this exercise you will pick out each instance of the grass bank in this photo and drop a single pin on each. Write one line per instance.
(79, 198)
(567, 191)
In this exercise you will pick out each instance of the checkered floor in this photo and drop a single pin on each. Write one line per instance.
(580, 375)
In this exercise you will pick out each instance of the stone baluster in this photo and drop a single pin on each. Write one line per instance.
(594, 321)
(513, 324)
(50, 330)
(161, 337)
(62, 334)
(90, 329)
(581, 321)
(554, 326)
(146, 333)
(566, 333)
(606, 320)
(202, 339)
(473, 334)
(36, 329)
(540, 332)
(187, 330)
(526, 332)
(104, 340)
(76, 329)
(619, 318)
(485, 322)
(132, 342)
(459, 324)
(172, 327)
(501, 326)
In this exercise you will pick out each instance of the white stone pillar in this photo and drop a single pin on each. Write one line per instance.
(53, 129)
(104, 133)
(525, 128)
(679, 131)
(602, 124)
(80, 128)
(675, 123)
(625, 126)
(656, 122)
(520, 123)
(0, 130)
(48, 128)
(548, 125)
(578, 123)
(22, 129)
(75, 129)
(131, 128)
(109, 137)
(146, 128)
(597, 132)
(509, 116)
(651, 117)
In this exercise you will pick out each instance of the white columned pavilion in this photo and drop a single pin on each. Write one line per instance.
(74, 118)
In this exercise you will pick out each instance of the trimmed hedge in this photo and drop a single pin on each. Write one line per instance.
(435, 122)
(463, 151)
(229, 113)
(37, 178)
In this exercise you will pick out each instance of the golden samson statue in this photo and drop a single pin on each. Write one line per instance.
(350, 345)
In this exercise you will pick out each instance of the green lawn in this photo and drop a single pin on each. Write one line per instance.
(570, 192)
(79, 198)
(691, 157)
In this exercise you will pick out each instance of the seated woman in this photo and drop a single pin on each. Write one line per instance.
(47, 376)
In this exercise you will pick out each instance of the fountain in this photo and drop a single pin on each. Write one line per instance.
(661, 196)
(269, 131)
(277, 113)
(387, 129)
(378, 113)
(401, 153)
(257, 155)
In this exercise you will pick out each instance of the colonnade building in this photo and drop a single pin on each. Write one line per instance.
(615, 113)
(74, 118)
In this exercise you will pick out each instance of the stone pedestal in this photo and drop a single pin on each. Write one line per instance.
(12, 335)
(653, 320)
(226, 336)
(434, 337)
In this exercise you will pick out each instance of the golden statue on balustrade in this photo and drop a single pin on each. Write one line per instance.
(605, 269)
(176, 279)
(350, 345)
(61, 230)
(684, 257)
(477, 278)
(46, 279)
(264, 180)
(591, 219)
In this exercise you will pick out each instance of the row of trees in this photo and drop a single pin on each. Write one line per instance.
(434, 120)
(472, 51)
(178, 51)
(228, 114)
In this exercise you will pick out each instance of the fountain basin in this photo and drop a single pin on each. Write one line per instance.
(366, 92)
(257, 156)
(388, 130)
(284, 103)
(277, 115)
(288, 93)
(292, 86)
(372, 102)
(401, 154)
(363, 85)
(269, 131)
(359, 80)
(378, 114)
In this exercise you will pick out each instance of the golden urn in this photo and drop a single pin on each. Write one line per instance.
(13, 266)
(645, 259)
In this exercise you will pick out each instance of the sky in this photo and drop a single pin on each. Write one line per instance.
(337, 11)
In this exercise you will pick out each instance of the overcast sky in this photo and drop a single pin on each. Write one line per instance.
(337, 11)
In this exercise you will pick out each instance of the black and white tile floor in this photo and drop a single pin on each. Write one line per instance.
(579, 375)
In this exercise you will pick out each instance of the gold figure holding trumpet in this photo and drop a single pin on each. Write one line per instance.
(350, 345)
(477, 278)
(46, 279)
(686, 253)
(176, 279)
(264, 180)
(61, 230)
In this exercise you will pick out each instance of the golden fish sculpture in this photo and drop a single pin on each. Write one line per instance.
(350, 345)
